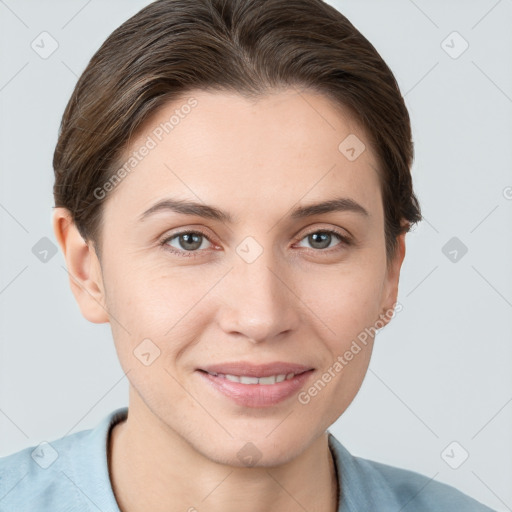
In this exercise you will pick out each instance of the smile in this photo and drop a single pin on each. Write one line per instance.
(244, 379)
(252, 390)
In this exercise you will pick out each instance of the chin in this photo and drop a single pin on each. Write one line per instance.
(263, 449)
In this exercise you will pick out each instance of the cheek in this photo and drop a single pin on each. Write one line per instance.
(344, 309)
(346, 300)
(158, 304)
(154, 293)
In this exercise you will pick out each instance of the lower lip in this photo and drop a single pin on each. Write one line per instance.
(257, 395)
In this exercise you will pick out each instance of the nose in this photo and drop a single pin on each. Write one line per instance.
(258, 300)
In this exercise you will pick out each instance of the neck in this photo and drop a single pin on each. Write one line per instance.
(154, 468)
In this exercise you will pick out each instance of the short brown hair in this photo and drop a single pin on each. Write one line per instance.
(250, 47)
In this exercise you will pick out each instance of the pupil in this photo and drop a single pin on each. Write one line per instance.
(191, 238)
(324, 236)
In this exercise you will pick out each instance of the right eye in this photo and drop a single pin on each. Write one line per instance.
(188, 242)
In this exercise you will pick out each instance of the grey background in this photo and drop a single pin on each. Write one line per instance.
(441, 371)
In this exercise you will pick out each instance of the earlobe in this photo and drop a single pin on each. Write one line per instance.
(83, 267)
(392, 279)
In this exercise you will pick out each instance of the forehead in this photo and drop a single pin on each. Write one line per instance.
(219, 147)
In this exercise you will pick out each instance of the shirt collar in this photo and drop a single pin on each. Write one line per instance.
(361, 486)
(93, 479)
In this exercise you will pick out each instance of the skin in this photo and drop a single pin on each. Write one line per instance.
(296, 302)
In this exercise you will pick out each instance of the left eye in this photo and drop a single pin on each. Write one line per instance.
(319, 238)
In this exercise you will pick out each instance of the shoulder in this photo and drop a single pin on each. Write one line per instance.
(32, 476)
(59, 475)
(417, 492)
(373, 484)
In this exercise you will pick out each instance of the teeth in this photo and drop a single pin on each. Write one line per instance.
(243, 379)
(248, 380)
(268, 380)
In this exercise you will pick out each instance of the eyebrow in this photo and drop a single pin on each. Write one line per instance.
(340, 204)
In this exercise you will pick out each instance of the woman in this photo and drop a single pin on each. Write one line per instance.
(232, 191)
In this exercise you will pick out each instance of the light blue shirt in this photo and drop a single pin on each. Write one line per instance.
(71, 474)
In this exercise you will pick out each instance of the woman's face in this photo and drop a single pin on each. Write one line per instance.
(256, 284)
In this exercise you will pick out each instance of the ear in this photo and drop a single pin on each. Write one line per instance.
(390, 289)
(83, 267)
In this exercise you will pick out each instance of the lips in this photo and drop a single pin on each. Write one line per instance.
(243, 369)
(250, 385)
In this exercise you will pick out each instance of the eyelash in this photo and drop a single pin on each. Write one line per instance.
(345, 241)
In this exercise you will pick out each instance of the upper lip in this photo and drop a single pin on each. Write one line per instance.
(242, 368)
